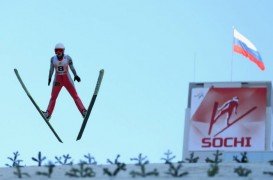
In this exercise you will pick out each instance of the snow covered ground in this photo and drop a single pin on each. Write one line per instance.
(195, 171)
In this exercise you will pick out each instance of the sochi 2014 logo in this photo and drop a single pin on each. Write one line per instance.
(228, 112)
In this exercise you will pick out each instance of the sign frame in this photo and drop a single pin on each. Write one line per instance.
(268, 115)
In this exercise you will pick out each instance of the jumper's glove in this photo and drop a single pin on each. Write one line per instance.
(49, 80)
(77, 78)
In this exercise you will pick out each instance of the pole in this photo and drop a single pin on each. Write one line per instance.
(194, 67)
(231, 66)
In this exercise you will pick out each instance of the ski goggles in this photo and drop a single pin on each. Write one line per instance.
(59, 50)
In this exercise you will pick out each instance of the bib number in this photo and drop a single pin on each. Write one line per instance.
(60, 68)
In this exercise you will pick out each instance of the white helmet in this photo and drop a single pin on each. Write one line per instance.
(59, 46)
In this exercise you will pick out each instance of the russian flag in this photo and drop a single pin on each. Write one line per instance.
(243, 46)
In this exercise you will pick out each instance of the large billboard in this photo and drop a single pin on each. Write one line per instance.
(227, 118)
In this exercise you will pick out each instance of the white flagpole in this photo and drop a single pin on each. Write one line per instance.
(231, 66)
(194, 67)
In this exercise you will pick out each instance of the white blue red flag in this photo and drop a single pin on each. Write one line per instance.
(243, 46)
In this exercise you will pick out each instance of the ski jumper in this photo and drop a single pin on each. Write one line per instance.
(63, 78)
(228, 108)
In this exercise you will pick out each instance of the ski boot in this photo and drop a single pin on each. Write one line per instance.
(46, 115)
(84, 112)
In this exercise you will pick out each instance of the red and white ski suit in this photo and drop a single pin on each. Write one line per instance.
(63, 78)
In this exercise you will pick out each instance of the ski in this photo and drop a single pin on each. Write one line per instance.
(35, 104)
(91, 104)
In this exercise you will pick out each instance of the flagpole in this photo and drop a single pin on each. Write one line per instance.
(231, 65)
(194, 67)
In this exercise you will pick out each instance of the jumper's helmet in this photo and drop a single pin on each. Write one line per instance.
(59, 49)
(59, 46)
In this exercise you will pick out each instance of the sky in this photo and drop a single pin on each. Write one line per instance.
(150, 50)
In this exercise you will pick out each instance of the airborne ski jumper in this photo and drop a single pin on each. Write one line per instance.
(60, 63)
